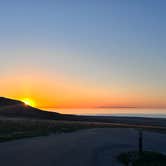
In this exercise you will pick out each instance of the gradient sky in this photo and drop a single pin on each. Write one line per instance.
(77, 53)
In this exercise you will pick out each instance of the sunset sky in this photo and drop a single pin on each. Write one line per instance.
(84, 53)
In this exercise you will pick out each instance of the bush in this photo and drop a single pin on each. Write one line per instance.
(145, 159)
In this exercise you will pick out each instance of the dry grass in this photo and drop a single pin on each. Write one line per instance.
(16, 128)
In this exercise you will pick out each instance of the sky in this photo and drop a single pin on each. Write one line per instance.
(84, 54)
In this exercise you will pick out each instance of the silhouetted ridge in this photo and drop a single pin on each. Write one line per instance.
(6, 102)
(15, 108)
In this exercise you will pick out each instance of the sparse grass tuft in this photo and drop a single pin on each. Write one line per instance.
(145, 159)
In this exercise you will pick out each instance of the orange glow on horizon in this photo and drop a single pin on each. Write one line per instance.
(45, 90)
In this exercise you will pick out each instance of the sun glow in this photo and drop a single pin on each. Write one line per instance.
(29, 102)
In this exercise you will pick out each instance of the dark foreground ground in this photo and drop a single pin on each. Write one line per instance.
(12, 128)
(90, 147)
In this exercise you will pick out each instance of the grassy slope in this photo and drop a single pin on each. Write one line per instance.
(16, 128)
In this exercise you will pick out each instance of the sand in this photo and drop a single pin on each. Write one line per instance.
(92, 147)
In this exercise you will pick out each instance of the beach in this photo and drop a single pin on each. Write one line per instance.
(90, 147)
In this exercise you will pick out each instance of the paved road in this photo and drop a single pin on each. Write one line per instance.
(93, 147)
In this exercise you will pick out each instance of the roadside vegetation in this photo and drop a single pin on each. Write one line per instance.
(17, 128)
(145, 159)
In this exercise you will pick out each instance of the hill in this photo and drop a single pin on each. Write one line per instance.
(15, 108)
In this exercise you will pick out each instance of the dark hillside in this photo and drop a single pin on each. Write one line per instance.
(14, 108)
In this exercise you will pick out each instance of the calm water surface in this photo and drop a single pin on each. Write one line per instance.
(132, 112)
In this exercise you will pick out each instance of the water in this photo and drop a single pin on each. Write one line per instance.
(130, 112)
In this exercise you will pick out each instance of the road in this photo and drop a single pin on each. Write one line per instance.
(92, 147)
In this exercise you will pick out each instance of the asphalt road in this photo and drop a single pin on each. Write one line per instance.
(93, 147)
